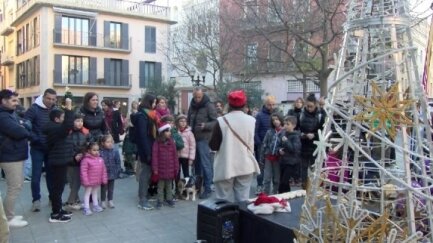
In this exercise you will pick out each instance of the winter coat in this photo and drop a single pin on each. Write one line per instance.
(188, 150)
(263, 123)
(39, 115)
(310, 122)
(143, 126)
(232, 157)
(291, 147)
(177, 138)
(164, 159)
(93, 171)
(79, 139)
(60, 146)
(271, 143)
(13, 137)
(203, 112)
(128, 147)
(116, 126)
(94, 121)
(111, 159)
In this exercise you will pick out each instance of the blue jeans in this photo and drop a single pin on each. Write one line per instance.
(28, 167)
(203, 163)
(39, 158)
(257, 154)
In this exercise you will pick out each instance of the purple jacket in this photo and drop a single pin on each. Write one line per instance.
(93, 171)
(164, 159)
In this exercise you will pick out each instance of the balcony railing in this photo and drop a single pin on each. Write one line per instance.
(115, 6)
(111, 81)
(82, 39)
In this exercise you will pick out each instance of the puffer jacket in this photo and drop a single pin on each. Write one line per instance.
(291, 147)
(93, 171)
(94, 121)
(143, 127)
(263, 123)
(164, 159)
(188, 150)
(60, 145)
(310, 122)
(79, 139)
(39, 115)
(112, 162)
(203, 112)
(13, 137)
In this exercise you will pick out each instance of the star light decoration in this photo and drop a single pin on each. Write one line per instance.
(322, 144)
(384, 110)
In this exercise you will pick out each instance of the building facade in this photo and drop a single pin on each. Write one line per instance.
(110, 47)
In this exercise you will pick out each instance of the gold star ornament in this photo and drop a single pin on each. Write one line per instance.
(384, 110)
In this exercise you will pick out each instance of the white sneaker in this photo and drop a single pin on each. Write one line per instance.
(14, 222)
(111, 204)
(104, 204)
(18, 217)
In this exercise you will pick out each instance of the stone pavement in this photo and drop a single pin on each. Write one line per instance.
(125, 223)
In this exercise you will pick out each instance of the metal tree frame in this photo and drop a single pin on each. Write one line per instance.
(384, 188)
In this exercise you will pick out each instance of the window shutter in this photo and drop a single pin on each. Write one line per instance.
(153, 39)
(106, 34)
(158, 73)
(141, 77)
(150, 39)
(58, 28)
(107, 76)
(92, 70)
(125, 73)
(125, 37)
(92, 34)
(58, 69)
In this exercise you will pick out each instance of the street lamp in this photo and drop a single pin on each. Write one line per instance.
(196, 82)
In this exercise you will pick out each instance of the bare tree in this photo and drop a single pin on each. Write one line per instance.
(307, 33)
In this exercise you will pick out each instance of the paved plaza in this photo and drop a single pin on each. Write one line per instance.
(125, 223)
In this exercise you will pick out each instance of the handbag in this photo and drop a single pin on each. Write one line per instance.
(236, 134)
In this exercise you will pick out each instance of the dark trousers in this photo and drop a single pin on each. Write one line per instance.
(107, 191)
(286, 173)
(39, 160)
(57, 174)
(257, 154)
(185, 166)
(307, 161)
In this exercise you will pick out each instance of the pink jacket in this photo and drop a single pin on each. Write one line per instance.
(164, 159)
(188, 150)
(93, 171)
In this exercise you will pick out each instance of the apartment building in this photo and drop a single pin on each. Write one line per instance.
(111, 47)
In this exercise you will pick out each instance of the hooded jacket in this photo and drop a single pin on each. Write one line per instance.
(94, 121)
(202, 112)
(13, 137)
(188, 150)
(39, 115)
(263, 123)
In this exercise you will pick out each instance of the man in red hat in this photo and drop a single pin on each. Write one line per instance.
(234, 164)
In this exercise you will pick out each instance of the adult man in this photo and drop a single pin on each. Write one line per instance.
(38, 115)
(263, 123)
(13, 152)
(233, 139)
(201, 118)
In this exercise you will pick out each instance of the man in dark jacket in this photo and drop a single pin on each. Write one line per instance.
(202, 118)
(263, 123)
(60, 154)
(38, 115)
(13, 152)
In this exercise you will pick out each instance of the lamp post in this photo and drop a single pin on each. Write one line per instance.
(196, 82)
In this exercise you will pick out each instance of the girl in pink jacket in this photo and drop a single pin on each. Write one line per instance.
(187, 154)
(93, 173)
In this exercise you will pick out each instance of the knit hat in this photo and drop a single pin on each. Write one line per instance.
(237, 98)
(181, 116)
(163, 126)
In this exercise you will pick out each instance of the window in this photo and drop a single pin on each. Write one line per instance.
(296, 86)
(75, 70)
(75, 31)
(251, 57)
(20, 42)
(150, 74)
(116, 72)
(274, 58)
(115, 35)
(115, 77)
(250, 9)
(28, 73)
(35, 32)
(150, 39)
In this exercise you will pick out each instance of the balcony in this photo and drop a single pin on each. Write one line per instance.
(7, 60)
(121, 81)
(6, 28)
(109, 6)
(87, 40)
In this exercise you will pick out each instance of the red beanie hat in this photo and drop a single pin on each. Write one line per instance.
(237, 98)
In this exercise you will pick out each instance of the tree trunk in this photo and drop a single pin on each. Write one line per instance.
(323, 86)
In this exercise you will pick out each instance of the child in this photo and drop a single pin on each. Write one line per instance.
(271, 156)
(60, 154)
(80, 137)
(165, 164)
(187, 154)
(112, 163)
(169, 119)
(93, 173)
(290, 149)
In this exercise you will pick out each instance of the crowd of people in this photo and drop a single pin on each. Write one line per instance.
(226, 146)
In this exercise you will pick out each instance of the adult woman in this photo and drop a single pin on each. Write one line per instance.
(93, 118)
(113, 120)
(297, 108)
(145, 124)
